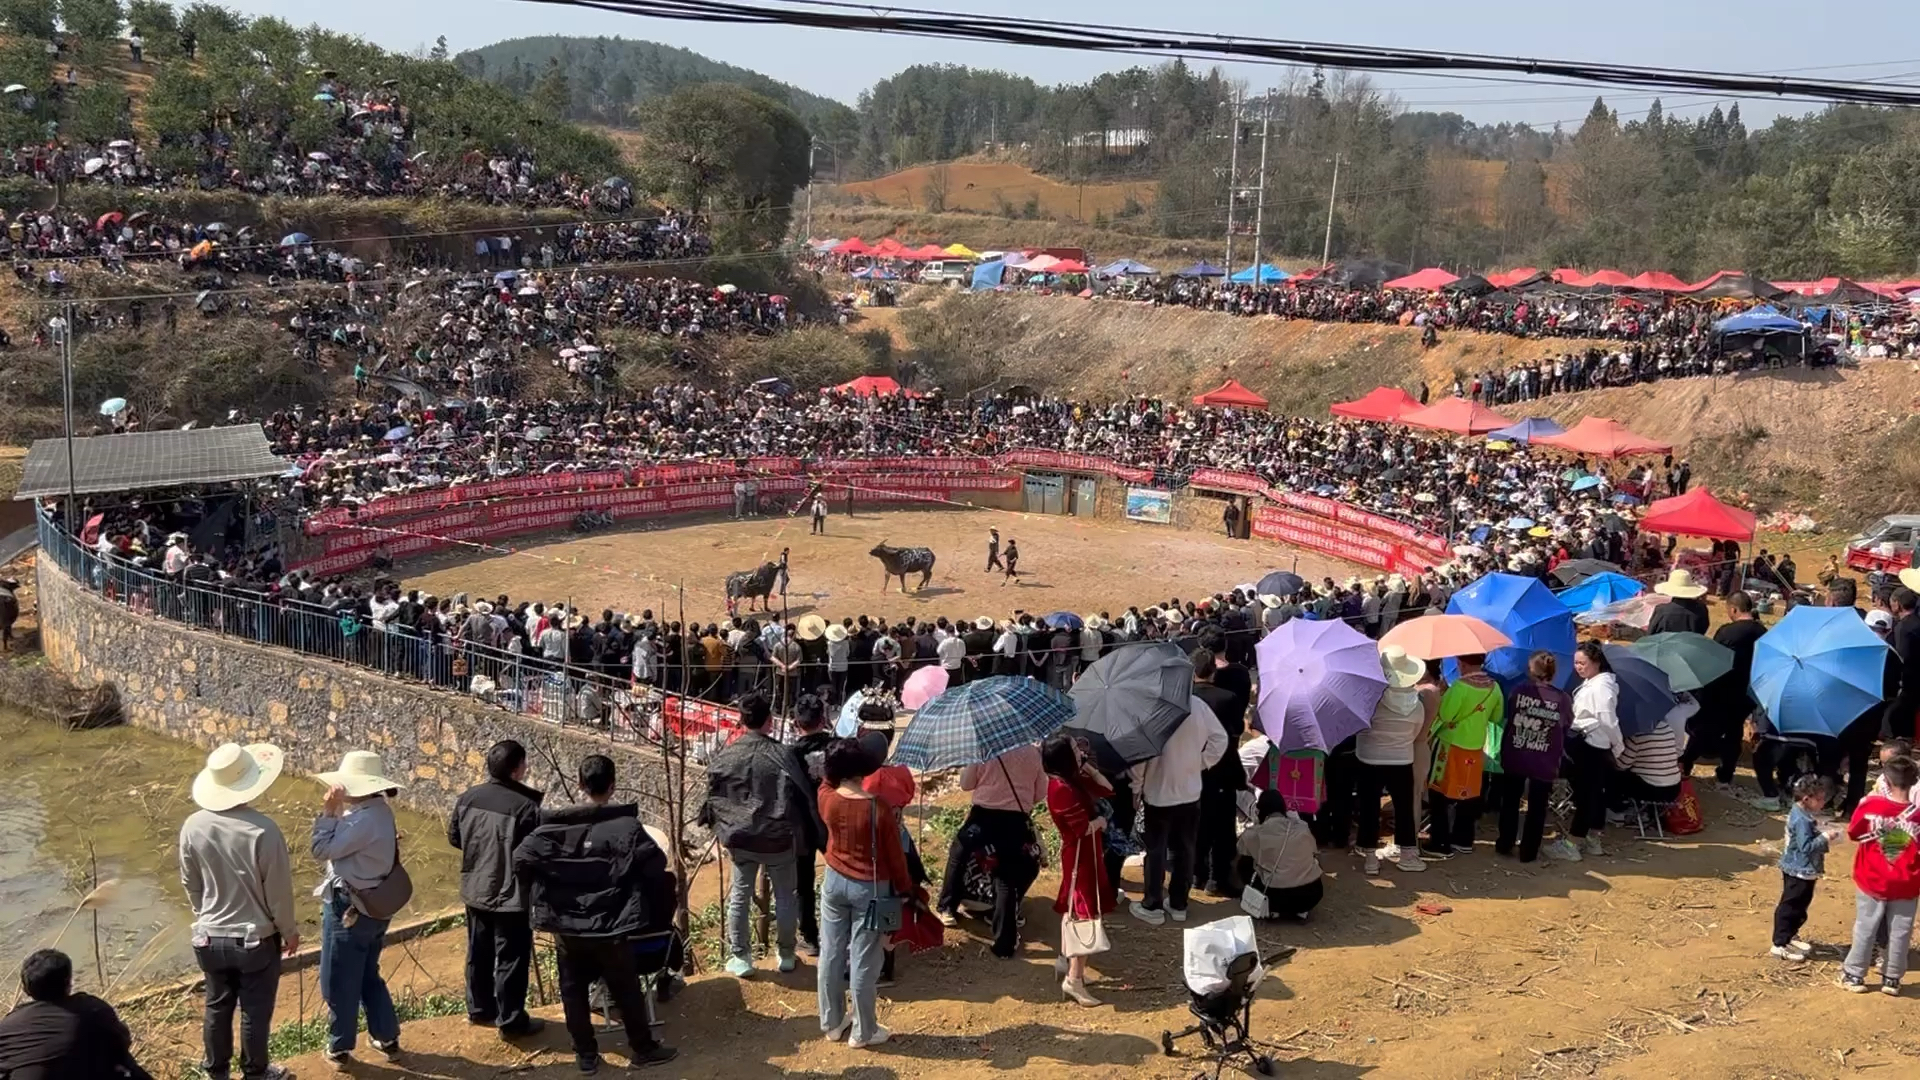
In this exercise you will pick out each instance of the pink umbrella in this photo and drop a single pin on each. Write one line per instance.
(923, 686)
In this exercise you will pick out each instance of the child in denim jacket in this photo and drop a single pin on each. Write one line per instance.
(1802, 861)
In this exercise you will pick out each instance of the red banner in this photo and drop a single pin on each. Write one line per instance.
(1317, 534)
(1224, 480)
(1056, 459)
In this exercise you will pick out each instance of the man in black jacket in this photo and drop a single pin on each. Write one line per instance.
(597, 881)
(61, 1035)
(1683, 611)
(809, 751)
(1905, 640)
(489, 821)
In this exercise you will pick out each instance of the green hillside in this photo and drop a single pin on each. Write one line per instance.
(606, 77)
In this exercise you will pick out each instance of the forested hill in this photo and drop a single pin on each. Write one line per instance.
(605, 77)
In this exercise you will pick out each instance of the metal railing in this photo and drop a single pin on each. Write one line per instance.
(597, 699)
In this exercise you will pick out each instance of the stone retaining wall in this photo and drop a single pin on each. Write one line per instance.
(207, 689)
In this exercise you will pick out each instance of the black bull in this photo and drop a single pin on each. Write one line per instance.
(899, 562)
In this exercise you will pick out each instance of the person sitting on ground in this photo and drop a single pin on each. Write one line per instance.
(61, 1035)
(1279, 856)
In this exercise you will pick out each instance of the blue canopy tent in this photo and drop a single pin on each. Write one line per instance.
(1201, 269)
(1524, 432)
(1269, 275)
(1126, 268)
(1760, 320)
(989, 275)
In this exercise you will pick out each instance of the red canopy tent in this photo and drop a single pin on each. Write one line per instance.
(1658, 281)
(1068, 266)
(1458, 415)
(852, 245)
(1602, 437)
(924, 253)
(1231, 395)
(1567, 275)
(889, 246)
(1430, 279)
(1698, 513)
(1607, 277)
(871, 386)
(1381, 403)
(1509, 278)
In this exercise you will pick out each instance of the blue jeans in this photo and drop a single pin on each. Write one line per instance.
(350, 976)
(779, 868)
(849, 955)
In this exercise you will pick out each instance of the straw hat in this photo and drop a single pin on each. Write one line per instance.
(1680, 583)
(1269, 600)
(1910, 577)
(1401, 668)
(984, 622)
(483, 608)
(236, 775)
(836, 632)
(810, 627)
(360, 773)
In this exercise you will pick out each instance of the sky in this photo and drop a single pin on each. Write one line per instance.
(1762, 37)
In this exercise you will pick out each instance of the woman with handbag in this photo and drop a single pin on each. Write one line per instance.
(1077, 800)
(1472, 706)
(861, 896)
(364, 888)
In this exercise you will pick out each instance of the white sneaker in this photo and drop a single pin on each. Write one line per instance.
(1802, 947)
(1179, 914)
(879, 1036)
(1150, 916)
(1410, 862)
(1562, 850)
(1371, 865)
(836, 1034)
(1594, 848)
(1781, 952)
(1389, 852)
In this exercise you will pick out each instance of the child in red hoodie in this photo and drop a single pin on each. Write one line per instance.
(1886, 870)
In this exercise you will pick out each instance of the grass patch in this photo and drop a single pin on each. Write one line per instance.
(289, 1041)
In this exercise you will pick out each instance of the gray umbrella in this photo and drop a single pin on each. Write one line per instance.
(1130, 702)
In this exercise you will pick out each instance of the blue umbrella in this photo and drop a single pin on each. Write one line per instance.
(113, 406)
(1623, 499)
(396, 434)
(1525, 431)
(296, 239)
(1478, 535)
(1518, 523)
(1280, 583)
(1525, 610)
(1818, 670)
(507, 275)
(1586, 482)
(1600, 590)
(1064, 618)
(323, 96)
(980, 721)
(1646, 695)
(847, 724)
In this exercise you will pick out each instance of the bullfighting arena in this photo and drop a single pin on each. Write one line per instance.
(1066, 563)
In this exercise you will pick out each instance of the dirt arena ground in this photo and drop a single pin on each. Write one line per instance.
(1065, 563)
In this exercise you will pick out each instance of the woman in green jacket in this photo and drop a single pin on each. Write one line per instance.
(1471, 707)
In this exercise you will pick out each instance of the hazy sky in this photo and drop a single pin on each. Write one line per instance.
(1761, 36)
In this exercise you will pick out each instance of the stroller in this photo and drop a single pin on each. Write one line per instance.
(1223, 972)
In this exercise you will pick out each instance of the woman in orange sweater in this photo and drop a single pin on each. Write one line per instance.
(865, 865)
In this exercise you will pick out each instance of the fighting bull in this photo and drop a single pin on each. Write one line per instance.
(746, 584)
(899, 562)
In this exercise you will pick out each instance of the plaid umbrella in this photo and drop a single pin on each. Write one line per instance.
(980, 721)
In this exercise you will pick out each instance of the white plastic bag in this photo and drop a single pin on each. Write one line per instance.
(1211, 947)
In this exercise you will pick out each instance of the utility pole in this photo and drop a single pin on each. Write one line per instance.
(1326, 246)
(66, 385)
(812, 145)
(1260, 198)
(1233, 175)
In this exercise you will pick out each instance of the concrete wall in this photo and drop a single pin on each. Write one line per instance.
(207, 689)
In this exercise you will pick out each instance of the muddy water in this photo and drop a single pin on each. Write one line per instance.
(71, 801)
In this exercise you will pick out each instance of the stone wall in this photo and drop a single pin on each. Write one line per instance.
(207, 689)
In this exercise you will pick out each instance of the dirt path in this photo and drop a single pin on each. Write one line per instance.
(1649, 963)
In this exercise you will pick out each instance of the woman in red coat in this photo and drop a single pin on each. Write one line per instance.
(1075, 797)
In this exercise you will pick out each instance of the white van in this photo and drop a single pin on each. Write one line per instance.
(947, 272)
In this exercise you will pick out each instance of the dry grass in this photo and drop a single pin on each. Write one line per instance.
(1000, 188)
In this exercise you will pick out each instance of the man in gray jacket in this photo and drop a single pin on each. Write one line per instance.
(489, 821)
(239, 881)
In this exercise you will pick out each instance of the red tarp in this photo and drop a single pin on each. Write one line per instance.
(1712, 279)
(1698, 513)
(852, 245)
(1430, 279)
(1658, 281)
(869, 386)
(1382, 403)
(1566, 275)
(1607, 277)
(924, 252)
(1510, 278)
(889, 246)
(1602, 437)
(1068, 266)
(1458, 415)
(1231, 395)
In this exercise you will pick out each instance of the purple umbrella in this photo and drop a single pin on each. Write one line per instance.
(1319, 683)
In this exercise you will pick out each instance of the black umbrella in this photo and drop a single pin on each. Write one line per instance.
(1575, 571)
(1280, 583)
(1130, 702)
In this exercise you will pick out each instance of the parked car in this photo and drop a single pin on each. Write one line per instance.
(1886, 544)
(947, 272)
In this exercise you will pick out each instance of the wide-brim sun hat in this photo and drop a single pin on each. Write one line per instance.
(836, 633)
(810, 627)
(360, 774)
(984, 622)
(1402, 669)
(1910, 577)
(235, 775)
(1680, 584)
